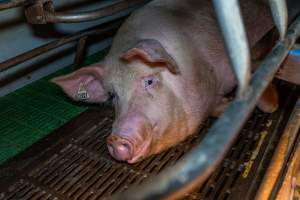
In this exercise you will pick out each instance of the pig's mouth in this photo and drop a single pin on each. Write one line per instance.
(125, 149)
(141, 152)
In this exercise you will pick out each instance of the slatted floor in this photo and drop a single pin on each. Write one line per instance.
(73, 162)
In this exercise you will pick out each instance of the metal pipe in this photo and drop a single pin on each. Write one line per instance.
(292, 128)
(280, 15)
(80, 52)
(271, 180)
(236, 43)
(195, 168)
(12, 4)
(64, 17)
(102, 29)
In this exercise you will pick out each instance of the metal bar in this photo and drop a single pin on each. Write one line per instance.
(12, 4)
(80, 52)
(64, 17)
(194, 169)
(102, 29)
(292, 131)
(281, 155)
(280, 16)
(232, 26)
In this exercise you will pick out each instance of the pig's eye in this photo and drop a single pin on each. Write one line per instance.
(149, 82)
(112, 96)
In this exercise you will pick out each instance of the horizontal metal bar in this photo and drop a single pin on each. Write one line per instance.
(234, 34)
(102, 29)
(65, 17)
(12, 4)
(195, 168)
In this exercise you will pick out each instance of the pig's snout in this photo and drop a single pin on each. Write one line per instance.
(120, 148)
(131, 137)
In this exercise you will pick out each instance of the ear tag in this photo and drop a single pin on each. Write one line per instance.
(82, 93)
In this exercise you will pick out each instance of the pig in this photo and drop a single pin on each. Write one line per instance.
(166, 72)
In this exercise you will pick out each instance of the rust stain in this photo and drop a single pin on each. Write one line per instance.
(249, 164)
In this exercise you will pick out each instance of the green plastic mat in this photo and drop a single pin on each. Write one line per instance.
(35, 110)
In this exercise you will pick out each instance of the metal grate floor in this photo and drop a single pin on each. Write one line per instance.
(73, 162)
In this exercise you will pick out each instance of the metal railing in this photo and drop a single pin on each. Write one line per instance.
(108, 28)
(103, 31)
(65, 17)
(195, 167)
(43, 11)
(12, 4)
(230, 20)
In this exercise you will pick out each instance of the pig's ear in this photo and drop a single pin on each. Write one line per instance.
(84, 84)
(151, 51)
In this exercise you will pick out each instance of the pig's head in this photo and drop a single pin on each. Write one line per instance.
(151, 99)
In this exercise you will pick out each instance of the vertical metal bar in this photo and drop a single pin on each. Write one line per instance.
(80, 52)
(280, 16)
(231, 23)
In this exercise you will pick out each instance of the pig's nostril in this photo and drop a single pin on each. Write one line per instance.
(120, 148)
(124, 147)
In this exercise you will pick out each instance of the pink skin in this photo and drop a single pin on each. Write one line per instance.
(166, 74)
(129, 141)
(141, 127)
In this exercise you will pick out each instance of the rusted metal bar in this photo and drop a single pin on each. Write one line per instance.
(280, 16)
(290, 157)
(195, 168)
(102, 29)
(232, 26)
(80, 52)
(281, 154)
(65, 17)
(12, 4)
(290, 181)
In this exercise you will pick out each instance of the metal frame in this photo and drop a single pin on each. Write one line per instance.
(231, 23)
(197, 165)
(103, 29)
(65, 17)
(276, 171)
(43, 11)
(12, 4)
(292, 130)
